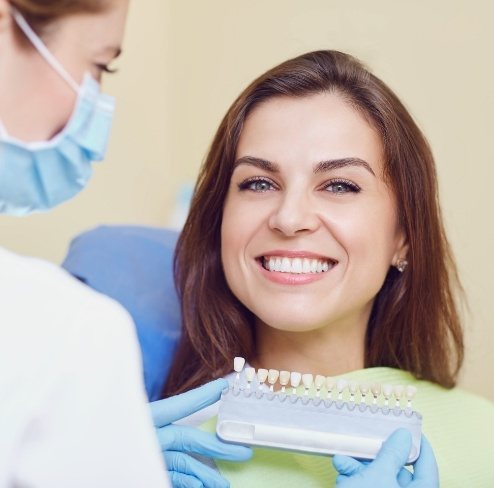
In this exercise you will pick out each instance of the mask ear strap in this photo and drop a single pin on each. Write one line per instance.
(3, 131)
(43, 50)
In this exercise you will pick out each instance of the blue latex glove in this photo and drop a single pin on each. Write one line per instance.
(178, 440)
(387, 470)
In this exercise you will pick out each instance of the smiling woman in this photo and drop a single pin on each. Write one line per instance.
(322, 206)
(315, 243)
(318, 157)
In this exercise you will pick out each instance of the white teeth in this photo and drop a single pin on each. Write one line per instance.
(398, 392)
(324, 386)
(387, 391)
(307, 380)
(353, 388)
(238, 364)
(319, 381)
(284, 380)
(364, 389)
(410, 392)
(250, 374)
(330, 384)
(262, 375)
(295, 379)
(341, 386)
(273, 375)
(296, 265)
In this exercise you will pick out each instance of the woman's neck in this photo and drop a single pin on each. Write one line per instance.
(330, 350)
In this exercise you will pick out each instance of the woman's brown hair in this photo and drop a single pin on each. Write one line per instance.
(414, 324)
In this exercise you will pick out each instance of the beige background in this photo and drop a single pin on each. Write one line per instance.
(185, 61)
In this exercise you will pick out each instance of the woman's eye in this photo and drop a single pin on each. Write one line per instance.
(257, 185)
(105, 68)
(341, 187)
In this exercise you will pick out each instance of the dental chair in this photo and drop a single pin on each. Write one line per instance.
(134, 266)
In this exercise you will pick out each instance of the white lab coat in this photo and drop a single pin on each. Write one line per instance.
(73, 411)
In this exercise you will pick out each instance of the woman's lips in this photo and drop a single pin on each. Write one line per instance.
(294, 268)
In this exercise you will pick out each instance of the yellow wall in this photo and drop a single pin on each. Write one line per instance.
(185, 61)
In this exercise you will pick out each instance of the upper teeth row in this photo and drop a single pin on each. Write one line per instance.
(296, 265)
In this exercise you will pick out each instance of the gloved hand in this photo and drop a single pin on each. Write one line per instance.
(387, 470)
(178, 440)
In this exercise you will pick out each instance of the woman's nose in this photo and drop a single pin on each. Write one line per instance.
(294, 214)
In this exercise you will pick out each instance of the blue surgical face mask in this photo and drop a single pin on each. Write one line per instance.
(36, 176)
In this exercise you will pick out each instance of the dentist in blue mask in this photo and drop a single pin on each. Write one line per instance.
(38, 175)
(72, 407)
(73, 410)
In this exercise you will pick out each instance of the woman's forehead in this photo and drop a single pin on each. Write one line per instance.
(309, 129)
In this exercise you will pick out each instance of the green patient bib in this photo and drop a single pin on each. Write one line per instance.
(459, 425)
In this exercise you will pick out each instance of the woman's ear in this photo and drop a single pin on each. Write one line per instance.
(401, 251)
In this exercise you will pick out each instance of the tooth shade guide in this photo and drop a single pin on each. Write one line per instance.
(307, 380)
(398, 391)
(274, 421)
(330, 384)
(341, 386)
(295, 379)
(317, 386)
(353, 388)
(319, 383)
(238, 366)
(262, 375)
(273, 375)
(387, 391)
(250, 374)
(376, 392)
(364, 390)
(410, 392)
(284, 380)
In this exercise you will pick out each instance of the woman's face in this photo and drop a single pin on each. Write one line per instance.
(309, 227)
(35, 102)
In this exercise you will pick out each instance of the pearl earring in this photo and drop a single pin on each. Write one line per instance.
(401, 265)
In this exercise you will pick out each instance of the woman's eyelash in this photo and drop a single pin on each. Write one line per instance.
(106, 69)
(341, 186)
(255, 184)
(261, 184)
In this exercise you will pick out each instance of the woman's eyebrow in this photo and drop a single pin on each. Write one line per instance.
(320, 167)
(258, 162)
(331, 164)
(113, 51)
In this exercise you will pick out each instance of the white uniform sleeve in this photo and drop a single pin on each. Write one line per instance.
(76, 402)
